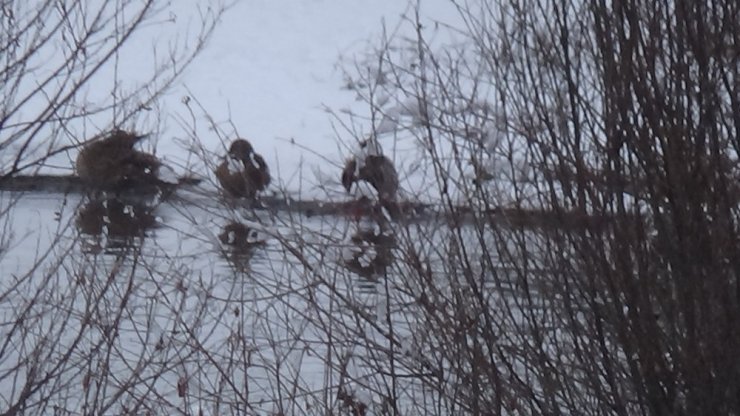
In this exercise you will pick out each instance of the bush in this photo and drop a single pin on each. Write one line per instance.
(575, 251)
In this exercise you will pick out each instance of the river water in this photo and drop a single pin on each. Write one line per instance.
(129, 305)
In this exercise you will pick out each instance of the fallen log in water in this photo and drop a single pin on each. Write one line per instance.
(409, 211)
(67, 184)
(43, 183)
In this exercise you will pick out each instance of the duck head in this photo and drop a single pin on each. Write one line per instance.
(240, 149)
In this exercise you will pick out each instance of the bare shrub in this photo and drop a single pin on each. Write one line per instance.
(585, 159)
(565, 242)
(78, 333)
(67, 72)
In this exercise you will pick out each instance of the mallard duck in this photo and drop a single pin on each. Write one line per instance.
(243, 173)
(371, 166)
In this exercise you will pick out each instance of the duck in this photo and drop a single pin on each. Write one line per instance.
(112, 163)
(243, 173)
(371, 166)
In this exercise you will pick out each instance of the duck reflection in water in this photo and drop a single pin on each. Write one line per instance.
(369, 252)
(240, 243)
(122, 223)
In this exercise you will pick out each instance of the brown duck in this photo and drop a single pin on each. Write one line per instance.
(243, 173)
(112, 163)
(371, 166)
